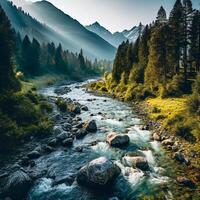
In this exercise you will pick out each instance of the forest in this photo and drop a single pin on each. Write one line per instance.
(164, 63)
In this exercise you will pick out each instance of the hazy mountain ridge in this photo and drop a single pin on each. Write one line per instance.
(114, 39)
(118, 37)
(71, 29)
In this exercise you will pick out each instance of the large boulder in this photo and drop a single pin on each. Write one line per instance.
(98, 173)
(117, 140)
(185, 182)
(91, 126)
(18, 185)
(138, 162)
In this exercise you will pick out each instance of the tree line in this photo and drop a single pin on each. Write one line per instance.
(166, 55)
(35, 59)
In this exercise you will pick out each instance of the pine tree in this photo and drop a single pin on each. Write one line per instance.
(195, 42)
(176, 24)
(26, 56)
(187, 18)
(59, 62)
(8, 81)
(81, 61)
(161, 16)
(158, 68)
(35, 70)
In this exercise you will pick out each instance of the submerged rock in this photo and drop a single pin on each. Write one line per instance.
(117, 140)
(91, 126)
(18, 185)
(67, 142)
(33, 155)
(138, 162)
(84, 108)
(62, 90)
(81, 133)
(98, 173)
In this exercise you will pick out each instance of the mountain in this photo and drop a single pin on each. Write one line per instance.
(26, 25)
(133, 33)
(69, 28)
(118, 37)
(115, 39)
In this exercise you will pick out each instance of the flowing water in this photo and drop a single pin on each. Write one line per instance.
(110, 115)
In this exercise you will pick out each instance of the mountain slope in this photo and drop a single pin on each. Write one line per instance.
(133, 34)
(118, 37)
(115, 39)
(71, 29)
(26, 25)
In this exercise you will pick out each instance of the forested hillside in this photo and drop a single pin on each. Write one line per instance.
(163, 63)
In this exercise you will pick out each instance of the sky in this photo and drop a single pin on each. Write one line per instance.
(115, 15)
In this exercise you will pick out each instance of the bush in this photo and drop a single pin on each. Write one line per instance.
(136, 75)
(175, 88)
(62, 105)
(45, 106)
(193, 103)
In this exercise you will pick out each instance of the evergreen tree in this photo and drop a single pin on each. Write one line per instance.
(176, 24)
(35, 69)
(81, 61)
(26, 56)
(158, 68)
(8, 82)
(195, 42)
(161, 16)
(59, 62)
(187, 21)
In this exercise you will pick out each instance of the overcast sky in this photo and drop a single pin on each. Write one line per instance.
(115, 15)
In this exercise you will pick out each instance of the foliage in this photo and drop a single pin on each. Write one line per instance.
(62, 105)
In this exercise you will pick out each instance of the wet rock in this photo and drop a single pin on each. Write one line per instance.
(138, 162)
(25, 161)
(48, 149)
(81, 133)
(18, 185)
(186, 182)
(68, 180)
(91, 126)
(167, 142)
(33, 155)
(156, 137)
(145, 127)
(98, 173)
(67, 142)
(3, 175)
(62, 90)
(84, 108)
(57, 130)
(75, 109)
(79, 149)
(117, 140)
(67, 126)
(180, 157)
(56, 117)
(53, 142)
(62, 136)
(80, 125)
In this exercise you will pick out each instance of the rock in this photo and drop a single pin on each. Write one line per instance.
(3, 175)
(52, 142)
(84, 108)
(167, 142)
(145, 127)
(80, 125)
(181, 158)
(25, 161)
(138, 162)
(79, 149)
(57, 130)
(62, 90)
(156, 137)
(68, 142)
(186, 182)
(91, 126)
(33, 155)
(68, 180)
(18, 185)
(48, 149)
(67, 126)
(81, 133)
(98, 173)
(117, 140)
(62, 136)
(75, 109)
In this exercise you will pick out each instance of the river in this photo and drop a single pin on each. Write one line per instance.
(110, 115)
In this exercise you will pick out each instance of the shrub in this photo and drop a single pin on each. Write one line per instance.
(193, 103)
(45, 106)
(175, 88)
(62, 105)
